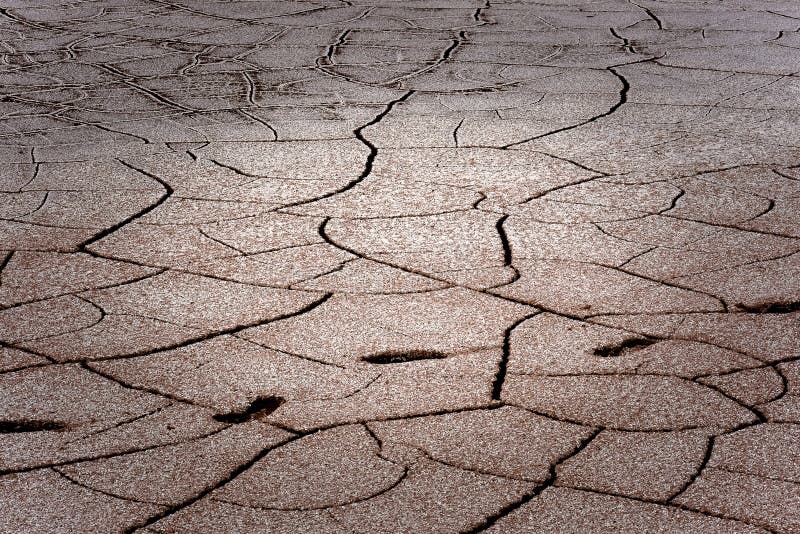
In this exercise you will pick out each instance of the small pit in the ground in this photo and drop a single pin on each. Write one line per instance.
(630, 344)
(772, 307)
(403, 356)
(24, 425)
(258, 409)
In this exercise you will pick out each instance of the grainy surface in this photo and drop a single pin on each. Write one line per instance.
(400, 266)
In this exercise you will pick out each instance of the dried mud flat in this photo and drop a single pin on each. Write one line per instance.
(419, 266)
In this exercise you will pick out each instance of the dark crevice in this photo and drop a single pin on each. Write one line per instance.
(322, 230)
(631, 430)
(292, 354)
(577, 164)
(357, 500)
(333, 49)
(626, 45)
(629, 345)
(120, 424)
(4, 263)
(76, 293)
(732, 226)
(664, 283)
(501, 232)
(474, 470)
(499, 379)
(16, 426)
(445, 56)
(757, 413)
(789, 480)
(154, 95)
(779, 307)
(635, 256)
(479, 16)
(455, 132)
(383, 491)
(238, 171)
(337, 269)
(784, 384)
(258, 410)
(673, 202)
(145, 140)
(390, 357)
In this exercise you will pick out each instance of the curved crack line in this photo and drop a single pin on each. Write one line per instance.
(538, 307)
(623, 98)
(75, 482)
(626, 44)
(578, 422)
(731, 227)
(445, 56)
(489, 405)
(171, 510)
(720, 300)
(699, 471)
(389, 488)
(549, 481)
(373, 153)
(355, 392)
(292, 354)
(168, 191)
(119, 424)
(144, 389)
(672, 505)
(260, 121)
(77, 292)
(474, 470)
(650, 14)
(214, 334)
(114, 454)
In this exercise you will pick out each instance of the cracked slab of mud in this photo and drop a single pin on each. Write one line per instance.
(374, 266)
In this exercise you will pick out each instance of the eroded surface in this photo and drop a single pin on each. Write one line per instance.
(424, 266)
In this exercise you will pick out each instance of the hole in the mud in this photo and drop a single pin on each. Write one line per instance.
(259, 408)
(772, 307)
(633, 343)
(13, 427)
(383, 358)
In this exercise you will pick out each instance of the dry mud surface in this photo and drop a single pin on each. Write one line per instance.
(400, 266)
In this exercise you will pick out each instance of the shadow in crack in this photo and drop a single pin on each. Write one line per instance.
(618, 349)
(258, 409)
(772, 307)
(383, 358)
(14, 427)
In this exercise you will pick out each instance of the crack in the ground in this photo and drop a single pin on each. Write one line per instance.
(551, 478)
(198, 84)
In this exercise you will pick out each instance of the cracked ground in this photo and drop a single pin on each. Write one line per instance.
(422, 266)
